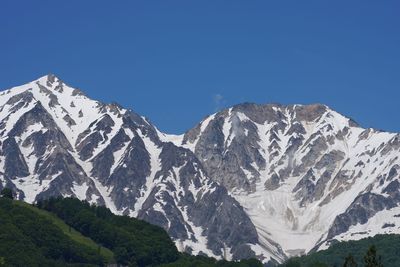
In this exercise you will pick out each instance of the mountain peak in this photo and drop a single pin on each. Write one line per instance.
(48, 79)
(51, 76)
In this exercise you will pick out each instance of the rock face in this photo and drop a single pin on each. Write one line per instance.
(304, 174)
(56, 141)
(265, 180)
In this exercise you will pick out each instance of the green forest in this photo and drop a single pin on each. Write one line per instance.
(377, 251)
(69, 232)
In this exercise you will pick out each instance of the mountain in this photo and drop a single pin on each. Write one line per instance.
(272, 180)
(305, 175)
(55, 141)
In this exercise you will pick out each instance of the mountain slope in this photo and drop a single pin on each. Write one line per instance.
(67, 230)
(303, 173)
(56, 141)
(29, 237)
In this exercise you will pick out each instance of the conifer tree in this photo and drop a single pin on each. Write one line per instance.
(371, 259)
(349, 261)
(7, 193)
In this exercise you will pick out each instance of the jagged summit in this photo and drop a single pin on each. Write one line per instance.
(276, 111)
(50, 77)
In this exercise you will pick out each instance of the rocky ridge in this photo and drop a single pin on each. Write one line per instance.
(304, 173)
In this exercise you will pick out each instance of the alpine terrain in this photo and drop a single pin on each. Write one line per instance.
(56, 141)
(267, 180)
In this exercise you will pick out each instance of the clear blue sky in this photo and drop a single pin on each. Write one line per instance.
(178, 61)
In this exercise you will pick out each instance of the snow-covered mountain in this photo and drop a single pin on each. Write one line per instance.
(56, 141)
(305, 175)
(266, 180)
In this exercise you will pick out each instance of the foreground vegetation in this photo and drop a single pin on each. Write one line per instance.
(69, 232)
(378, 251)
(29, 239)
